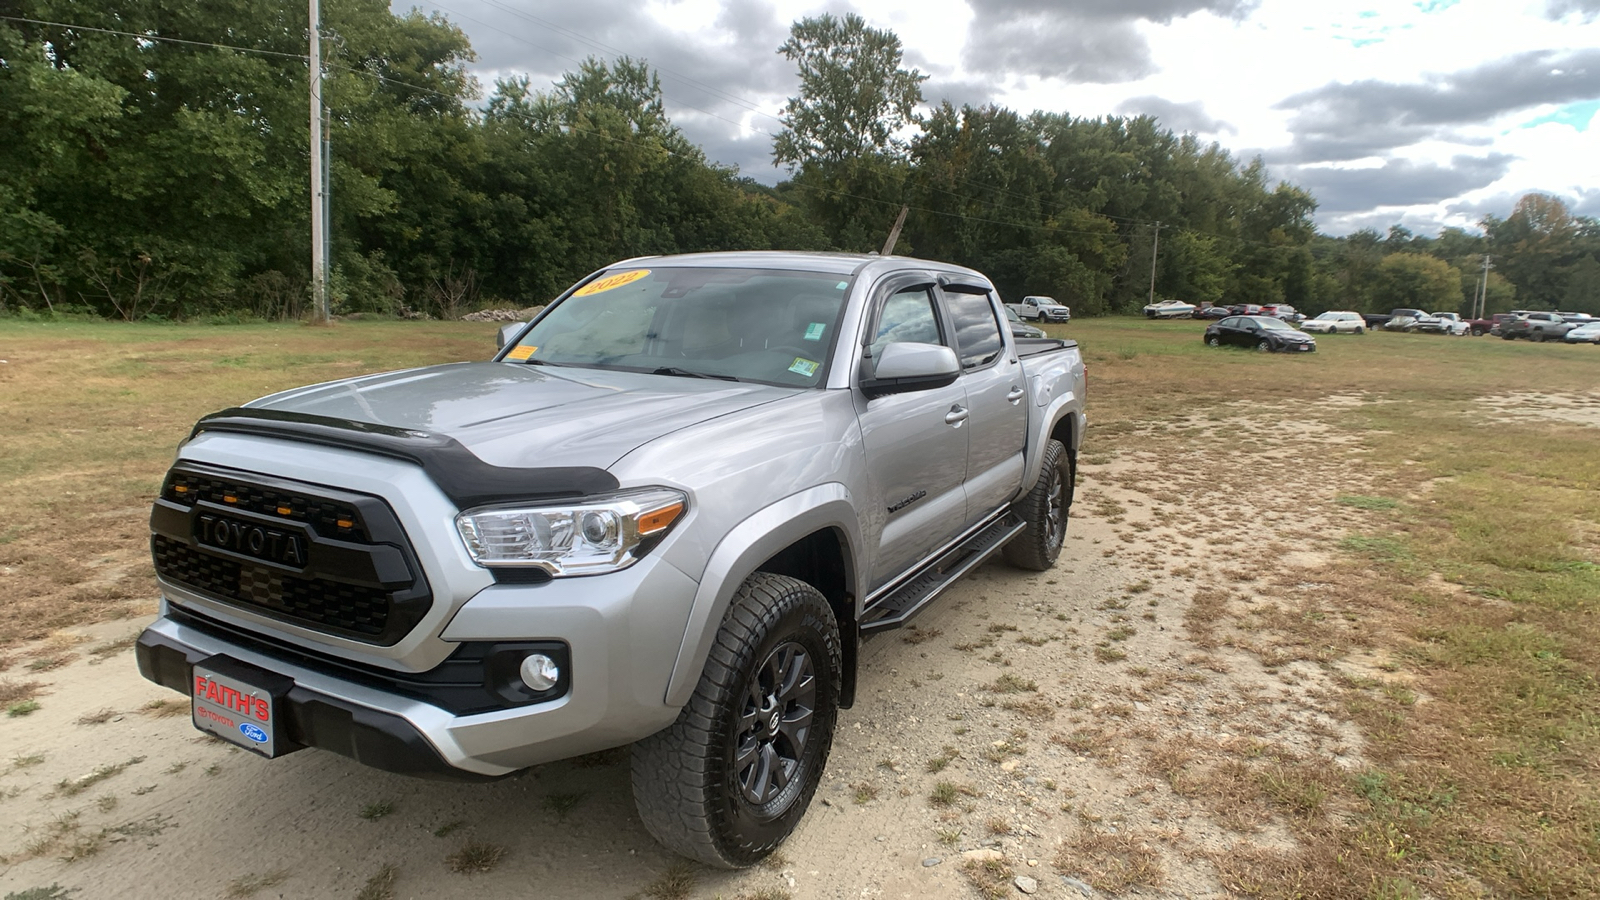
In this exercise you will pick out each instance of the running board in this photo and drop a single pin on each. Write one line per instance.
(897, 608)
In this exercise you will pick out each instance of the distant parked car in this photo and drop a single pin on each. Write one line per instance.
(1491, 325)
(1283, 311)
(1214, 312)
(1040, 309)
(1265, 333)
(1576, 318)
(1443, 323)
(1169, 309)
(1020, 328)
(1336, 321)
(1584, 334)
(1406, 319)
(1536, 327)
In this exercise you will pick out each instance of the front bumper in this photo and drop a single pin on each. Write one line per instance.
(623, 630)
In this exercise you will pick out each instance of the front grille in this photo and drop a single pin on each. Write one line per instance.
(352, 574)
(314, 602)
(331, 518)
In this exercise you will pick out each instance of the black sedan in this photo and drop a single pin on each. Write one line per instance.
(1265, 333)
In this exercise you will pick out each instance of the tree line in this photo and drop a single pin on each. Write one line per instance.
(156, 166)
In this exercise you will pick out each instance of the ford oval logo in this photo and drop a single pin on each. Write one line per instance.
(253, 732)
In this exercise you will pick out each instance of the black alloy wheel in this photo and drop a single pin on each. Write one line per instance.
(1045, 511)
(779, 707)
(730, 779)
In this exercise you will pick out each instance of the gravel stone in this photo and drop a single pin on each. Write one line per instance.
(1025, 884)
(932, 861)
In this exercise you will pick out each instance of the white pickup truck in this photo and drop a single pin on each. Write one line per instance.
(1041, 309)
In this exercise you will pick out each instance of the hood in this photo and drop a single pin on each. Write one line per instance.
(510, 414)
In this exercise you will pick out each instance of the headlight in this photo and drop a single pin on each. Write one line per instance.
(603, 534)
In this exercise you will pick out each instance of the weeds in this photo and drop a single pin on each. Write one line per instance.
(375, 811)
(676, 883)
(475, 858)
(562, 804)
(380, 886)
(248, 885)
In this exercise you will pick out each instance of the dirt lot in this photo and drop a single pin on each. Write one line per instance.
(1209, 696)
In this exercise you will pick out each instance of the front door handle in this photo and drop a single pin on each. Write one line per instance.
(1015, 396)
(956, 415)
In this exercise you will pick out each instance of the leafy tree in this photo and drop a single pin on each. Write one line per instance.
(1583, 287)
(1414, 280)
(1533, 246)
(840, 135)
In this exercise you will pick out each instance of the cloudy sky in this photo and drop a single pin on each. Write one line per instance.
(1420, 112)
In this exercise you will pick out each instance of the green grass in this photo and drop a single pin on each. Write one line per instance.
(1360, 502)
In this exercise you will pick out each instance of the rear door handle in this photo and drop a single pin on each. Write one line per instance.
(956, 415)
(1015, 396)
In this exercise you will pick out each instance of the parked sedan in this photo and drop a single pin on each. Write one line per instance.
(1336, 321)
(1583, 334)
(1265, 333)
(1020, 328)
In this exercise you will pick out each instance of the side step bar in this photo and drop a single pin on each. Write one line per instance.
(897, 608)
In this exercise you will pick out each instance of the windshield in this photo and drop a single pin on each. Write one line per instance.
(1275, 324)
(763, 325)
(1012, 315)
(1330, 317)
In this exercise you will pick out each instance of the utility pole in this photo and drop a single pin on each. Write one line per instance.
(894, 233)
(319, 209)
(1481, 302)
(1153, 250)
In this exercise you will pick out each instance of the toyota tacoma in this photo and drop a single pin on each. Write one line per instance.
(665, 514)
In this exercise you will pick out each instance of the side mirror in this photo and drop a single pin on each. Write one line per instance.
(508, 333)
(905, 366)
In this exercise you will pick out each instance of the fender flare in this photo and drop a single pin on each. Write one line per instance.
(750, 543)
(1058, 409)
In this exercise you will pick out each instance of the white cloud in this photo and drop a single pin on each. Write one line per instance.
(1231, 71)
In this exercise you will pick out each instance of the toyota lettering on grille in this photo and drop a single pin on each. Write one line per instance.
(259, 541)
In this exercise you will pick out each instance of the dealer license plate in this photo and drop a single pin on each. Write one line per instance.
(233, 709)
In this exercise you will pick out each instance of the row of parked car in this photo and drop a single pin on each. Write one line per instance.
(1575, 328)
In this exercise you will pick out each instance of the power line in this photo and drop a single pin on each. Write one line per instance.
(157, 38)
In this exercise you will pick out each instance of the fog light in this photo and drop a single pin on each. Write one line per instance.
(540, 672)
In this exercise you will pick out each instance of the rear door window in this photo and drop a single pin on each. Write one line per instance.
(978, 340)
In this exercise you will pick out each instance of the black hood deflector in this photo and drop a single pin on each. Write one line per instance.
(459, 473)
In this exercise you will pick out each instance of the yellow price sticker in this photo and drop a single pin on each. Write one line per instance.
(521, 353)
(610, 281)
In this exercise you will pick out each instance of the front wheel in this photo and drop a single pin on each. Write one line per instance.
(1264, 347)
(1045, 510)
(728, 781)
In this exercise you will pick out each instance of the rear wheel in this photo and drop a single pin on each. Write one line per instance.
(1045, 510)
(1359, 329)
(728, 781)
(1537, 337)
(1213, 341)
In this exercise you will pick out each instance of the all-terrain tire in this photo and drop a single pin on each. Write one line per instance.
(776, 661)
(1045, 510)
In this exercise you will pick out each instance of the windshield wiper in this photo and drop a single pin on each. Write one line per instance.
(686, 373)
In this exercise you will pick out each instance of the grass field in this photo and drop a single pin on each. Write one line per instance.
(1472, 579)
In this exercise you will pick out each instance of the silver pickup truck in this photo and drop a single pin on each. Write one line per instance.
(667, 513)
